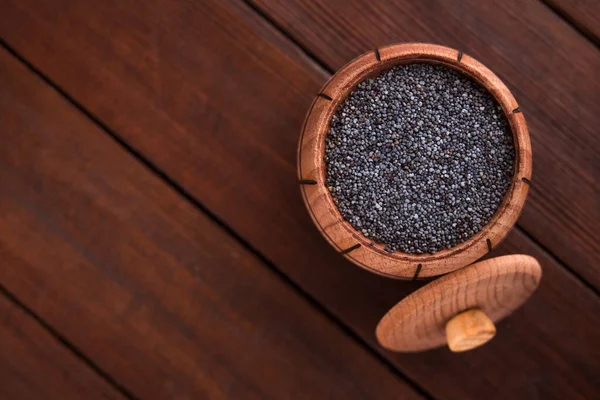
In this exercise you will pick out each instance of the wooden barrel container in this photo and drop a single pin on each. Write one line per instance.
(350, 242)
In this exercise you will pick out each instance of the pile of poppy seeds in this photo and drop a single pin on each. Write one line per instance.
(419, 158)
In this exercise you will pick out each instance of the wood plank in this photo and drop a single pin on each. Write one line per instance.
(35, 365)
(546, 64)
(216, 98)
(583, 14)
(145, 284)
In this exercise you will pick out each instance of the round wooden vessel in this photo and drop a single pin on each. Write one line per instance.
(312, 169)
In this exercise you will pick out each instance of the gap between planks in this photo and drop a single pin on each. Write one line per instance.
(228, 229)
(225, 226)
(325, 68)
(67, 344)
(580, 27)
(347, 330)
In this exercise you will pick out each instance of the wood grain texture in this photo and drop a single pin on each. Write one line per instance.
(216, 98)
(142, 282)
(34, 365)
(583, 14)
(351, 242)
(547, 65)
(496, 287)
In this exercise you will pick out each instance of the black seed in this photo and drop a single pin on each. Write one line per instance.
(419, 158)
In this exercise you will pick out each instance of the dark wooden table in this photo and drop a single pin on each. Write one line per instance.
(153, 242)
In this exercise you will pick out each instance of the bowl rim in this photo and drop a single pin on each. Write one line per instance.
(324, 212)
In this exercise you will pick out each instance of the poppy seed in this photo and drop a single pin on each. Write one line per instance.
(419, 158)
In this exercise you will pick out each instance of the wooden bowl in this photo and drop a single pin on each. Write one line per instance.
(312, 169)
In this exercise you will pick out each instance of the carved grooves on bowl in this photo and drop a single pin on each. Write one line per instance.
(322, 208)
